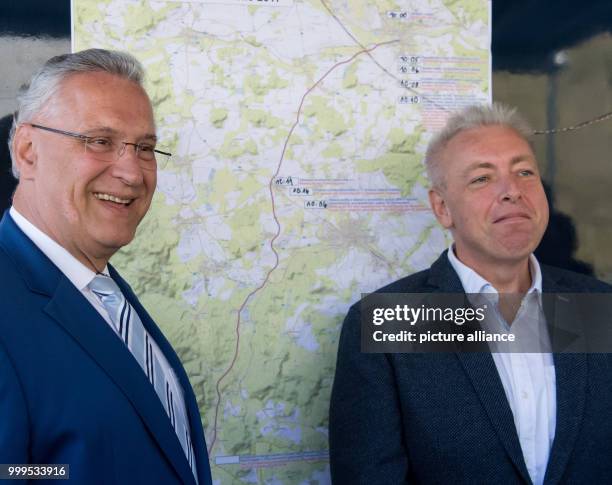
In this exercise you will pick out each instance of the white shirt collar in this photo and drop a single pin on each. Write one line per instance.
(78, 274)
(472, 282)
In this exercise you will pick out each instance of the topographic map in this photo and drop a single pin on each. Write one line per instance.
(297, 129)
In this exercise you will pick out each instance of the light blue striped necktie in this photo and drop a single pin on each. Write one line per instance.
(131, 331)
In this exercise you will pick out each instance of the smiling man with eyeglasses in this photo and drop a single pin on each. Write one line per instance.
(106, 149)
(86, 377)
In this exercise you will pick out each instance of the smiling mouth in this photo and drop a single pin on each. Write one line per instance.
(512, 218)
(112, 198)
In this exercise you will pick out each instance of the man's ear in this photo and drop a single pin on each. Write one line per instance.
(24, 152)
(440, 209)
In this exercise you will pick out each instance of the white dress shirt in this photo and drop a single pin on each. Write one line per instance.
(528, 378)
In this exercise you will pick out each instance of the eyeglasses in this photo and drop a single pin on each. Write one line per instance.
(106, 149)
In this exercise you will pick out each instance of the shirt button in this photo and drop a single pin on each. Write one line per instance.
(525, 395)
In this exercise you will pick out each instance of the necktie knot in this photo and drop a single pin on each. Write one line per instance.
(103, 284)
(109, 294)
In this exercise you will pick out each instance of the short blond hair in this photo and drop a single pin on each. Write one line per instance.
(474, 116)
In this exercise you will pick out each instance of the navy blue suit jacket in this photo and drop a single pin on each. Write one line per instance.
(71, 392)
(444, 418)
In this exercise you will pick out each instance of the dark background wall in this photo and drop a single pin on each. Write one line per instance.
(551, 58)
(31, 31)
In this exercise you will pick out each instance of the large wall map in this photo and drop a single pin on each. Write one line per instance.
(298, 129)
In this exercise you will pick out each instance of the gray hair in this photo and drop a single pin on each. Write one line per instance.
(474, 116)
(33, 97)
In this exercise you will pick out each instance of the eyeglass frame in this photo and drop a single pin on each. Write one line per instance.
(86, 139)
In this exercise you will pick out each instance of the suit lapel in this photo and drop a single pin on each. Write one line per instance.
(571, 372)
(571, 375)
(564, 323)
(69, 308)
(482, 372)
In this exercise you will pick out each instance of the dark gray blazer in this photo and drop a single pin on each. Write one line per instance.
(444, 418)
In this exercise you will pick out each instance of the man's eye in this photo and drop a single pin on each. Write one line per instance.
(526, 173)
(479, 180)
(100, 141)
(146, 148)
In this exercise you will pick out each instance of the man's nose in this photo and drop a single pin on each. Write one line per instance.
(127, 165)
(509, 190)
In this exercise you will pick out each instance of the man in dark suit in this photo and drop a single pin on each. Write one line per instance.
(86, 377)
(477, 418)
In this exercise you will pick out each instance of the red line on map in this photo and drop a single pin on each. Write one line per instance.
(278, 230)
